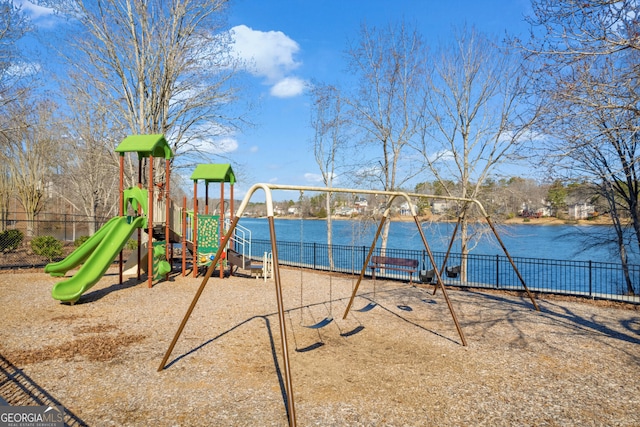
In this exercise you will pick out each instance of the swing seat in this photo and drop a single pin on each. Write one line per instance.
(321, 324)
(367, 307)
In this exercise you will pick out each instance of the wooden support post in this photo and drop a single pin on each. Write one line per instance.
(167, 207)
(184, 234)
(194, 226)
(150, 225)
(121, 212)
(221, 242)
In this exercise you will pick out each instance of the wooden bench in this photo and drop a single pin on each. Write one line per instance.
(398, 264)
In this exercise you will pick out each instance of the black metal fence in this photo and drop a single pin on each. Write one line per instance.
(578, 278)
(17, 234)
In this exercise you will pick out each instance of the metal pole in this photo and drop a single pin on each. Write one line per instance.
(590, 280)
(495, 233)
(439, 278)
(446, 257)
(192, 306)
(291, 411)
(364, 265)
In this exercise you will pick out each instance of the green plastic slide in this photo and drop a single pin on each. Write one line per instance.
(97, 263)
(81, 253)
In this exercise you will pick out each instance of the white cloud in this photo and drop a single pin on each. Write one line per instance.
(214, 145)
(34, 11)
(40, 16)
(313, 177)
(443, 155)
(227, 145)
(254, 149)
(317, 178)
(525, 136)
(269, 55)
(23, 69)
(288, 87)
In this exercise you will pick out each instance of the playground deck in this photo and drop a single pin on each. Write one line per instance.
(573, 363)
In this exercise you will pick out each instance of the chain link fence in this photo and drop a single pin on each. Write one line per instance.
(18, 237)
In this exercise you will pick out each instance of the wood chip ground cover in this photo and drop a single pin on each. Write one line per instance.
(402, 364)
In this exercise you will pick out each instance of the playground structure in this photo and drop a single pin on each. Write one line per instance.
(391, 195)
(136, 212)
(204, 232)
(201, 231)
(152, 210)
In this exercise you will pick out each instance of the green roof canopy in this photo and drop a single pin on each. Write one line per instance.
(221, 172)
(145, 145)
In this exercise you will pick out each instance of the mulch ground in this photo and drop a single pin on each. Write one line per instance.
(402, 363)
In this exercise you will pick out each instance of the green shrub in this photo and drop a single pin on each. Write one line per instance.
(80, 240)
(47, 246)
(131, 244)
(10, 240)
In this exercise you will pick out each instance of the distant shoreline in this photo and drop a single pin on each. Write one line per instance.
(551, 221)
(601, 220)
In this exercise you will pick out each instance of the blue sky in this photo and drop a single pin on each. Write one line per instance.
(306, 40)
(291, 43)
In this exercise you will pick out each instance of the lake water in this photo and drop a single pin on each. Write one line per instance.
(562, 242)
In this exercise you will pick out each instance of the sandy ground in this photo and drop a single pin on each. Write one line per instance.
(400, 364)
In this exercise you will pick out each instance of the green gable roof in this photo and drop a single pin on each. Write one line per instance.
(221, 172)
(146, 145)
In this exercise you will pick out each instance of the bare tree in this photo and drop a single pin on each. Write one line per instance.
(389, 67)
(330, 138)
(586, 55)
(476, 117)
(89, 175)
(28, 156)
(161, 67)
(13, 87)
(13, 26)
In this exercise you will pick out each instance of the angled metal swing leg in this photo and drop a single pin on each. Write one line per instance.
(372, 304)
(441, 283)
(446, 257)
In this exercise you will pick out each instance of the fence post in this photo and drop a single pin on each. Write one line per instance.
(497, 271)
(314, 255)
(590, 281)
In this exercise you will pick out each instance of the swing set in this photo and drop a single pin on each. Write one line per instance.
(327, 320)
(391, 196)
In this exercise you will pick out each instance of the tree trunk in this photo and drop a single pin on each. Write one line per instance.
(329, 229)
(464, 248)
(620, 241)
